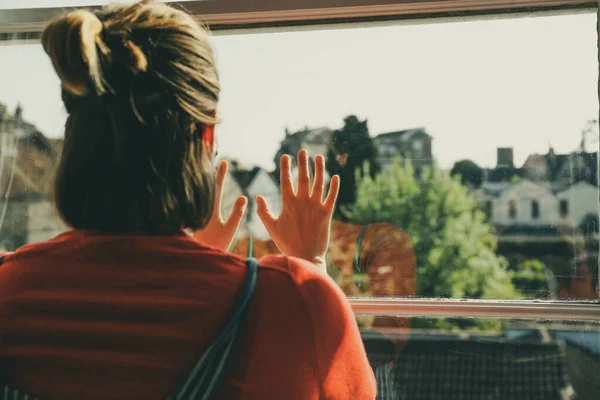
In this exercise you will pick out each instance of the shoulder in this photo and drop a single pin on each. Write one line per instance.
(303, 273)
(320, 293)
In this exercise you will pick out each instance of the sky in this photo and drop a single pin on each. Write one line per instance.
(475, 85)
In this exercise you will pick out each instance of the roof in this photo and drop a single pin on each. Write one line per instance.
(495, 188)
(314, 135)
(536, 230)
(245, 177)
(40, 141)
(402, 135)
(30, 174)
(556, 163)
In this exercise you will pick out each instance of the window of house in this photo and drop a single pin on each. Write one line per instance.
(512, 209)
(564, 208)
(463, 73)
(535, 209)
(417, 148)
(489, 208)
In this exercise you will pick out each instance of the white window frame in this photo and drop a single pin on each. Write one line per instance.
(227, 16)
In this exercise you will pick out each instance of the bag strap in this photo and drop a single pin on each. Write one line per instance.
(356, 259)
(208, 374)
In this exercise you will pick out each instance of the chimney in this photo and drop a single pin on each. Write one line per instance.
(19, 114)
(505, 157)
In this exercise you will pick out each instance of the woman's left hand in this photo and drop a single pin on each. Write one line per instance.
(219, 233)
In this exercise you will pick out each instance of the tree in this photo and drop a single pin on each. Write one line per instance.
(470, 173)
(351, 149)
(455, 248)
(530, 279)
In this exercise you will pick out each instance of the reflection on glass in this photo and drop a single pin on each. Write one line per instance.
(467, 155)
(487, 359)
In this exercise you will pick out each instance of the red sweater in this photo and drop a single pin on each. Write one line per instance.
(90, 316)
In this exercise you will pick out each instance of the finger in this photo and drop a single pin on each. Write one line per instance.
(303, 179)
(285, 177)
(219, 181)
(237, 213)
(319, 185)
(265, 215)
(334, 189)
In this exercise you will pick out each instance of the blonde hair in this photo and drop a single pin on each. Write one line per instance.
(140, 84)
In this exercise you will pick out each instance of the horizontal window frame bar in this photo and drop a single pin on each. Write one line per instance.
(489, 309)
(223, 15)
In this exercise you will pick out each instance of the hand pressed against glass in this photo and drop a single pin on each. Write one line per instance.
(219, 233)
(303, 227)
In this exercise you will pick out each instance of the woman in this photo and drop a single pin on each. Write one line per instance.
(124, 304)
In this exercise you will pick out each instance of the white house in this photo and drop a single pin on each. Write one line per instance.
(538, 203)
(577, 202)
(251, 183)
(526, 203)
(265, 185)
(522, 203)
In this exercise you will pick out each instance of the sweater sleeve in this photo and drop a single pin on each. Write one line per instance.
(342, 365)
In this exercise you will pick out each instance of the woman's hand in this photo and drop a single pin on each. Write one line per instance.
(219, 233)
(302, 229)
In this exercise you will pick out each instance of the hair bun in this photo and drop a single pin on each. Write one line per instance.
(74, 43)
(139, 61)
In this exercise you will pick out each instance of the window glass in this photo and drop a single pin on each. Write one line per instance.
(429, 125)
(535, 209)
(564, 208)
(484, 358)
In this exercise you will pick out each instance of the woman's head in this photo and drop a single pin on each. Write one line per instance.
(140, 85)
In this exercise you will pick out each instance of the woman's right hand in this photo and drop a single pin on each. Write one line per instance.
(303, 227)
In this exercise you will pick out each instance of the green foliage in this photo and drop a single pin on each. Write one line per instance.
(354, 142)
(530, 279)
(470, 173)
(455, 248)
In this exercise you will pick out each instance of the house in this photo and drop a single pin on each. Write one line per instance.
(524, 202)
(567, 168)
(552, 222)
(505, 170)
(27, 165)
(538, 203)
(577, 202)
(316, 141)
(250, 183)
(413, 144)
(558, 168)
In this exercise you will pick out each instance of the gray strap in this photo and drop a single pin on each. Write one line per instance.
(356, 259)
(207, 376)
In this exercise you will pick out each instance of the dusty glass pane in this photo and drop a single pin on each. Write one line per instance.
(484, 359)
(467, 149)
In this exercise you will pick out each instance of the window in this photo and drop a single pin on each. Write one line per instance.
(417, 148)
(461, 73)
(512, 209)
(564, 208)
(535, 209)
(489, 208)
